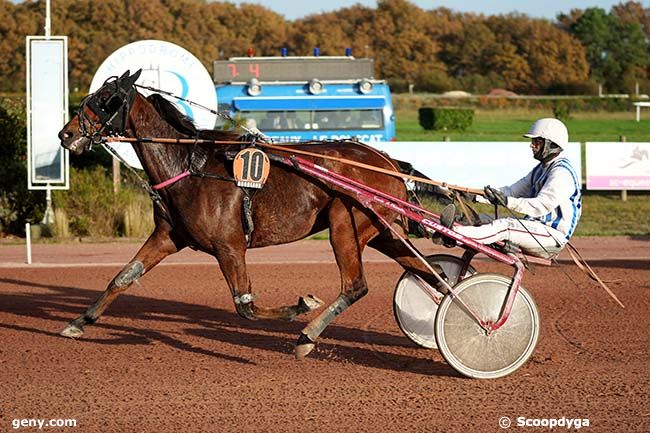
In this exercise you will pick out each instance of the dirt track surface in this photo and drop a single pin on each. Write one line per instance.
(171, 355)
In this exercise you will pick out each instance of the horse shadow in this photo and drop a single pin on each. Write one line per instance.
(210, 323)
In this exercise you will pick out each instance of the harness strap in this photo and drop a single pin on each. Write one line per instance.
(211, 176)
(582, 264)
(247, 208)
(168, 182)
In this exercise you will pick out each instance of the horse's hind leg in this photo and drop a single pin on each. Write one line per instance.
(348, 235)
(159, 245)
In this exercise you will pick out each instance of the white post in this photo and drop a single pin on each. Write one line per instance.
(48, 218)
(116, 175)
(48, 23)
(28, 239)
(638, 113)
(623, 139)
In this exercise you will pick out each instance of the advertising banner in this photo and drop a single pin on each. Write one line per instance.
(618, 166)
(47, 111)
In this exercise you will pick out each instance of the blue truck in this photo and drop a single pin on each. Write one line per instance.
(303, 98)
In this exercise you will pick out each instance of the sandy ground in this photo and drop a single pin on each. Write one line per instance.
(171, 355)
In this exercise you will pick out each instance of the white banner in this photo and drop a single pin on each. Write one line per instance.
(473, 163)
(618, 166)
(47, 111)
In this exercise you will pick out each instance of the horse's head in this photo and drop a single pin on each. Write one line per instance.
(101, 113)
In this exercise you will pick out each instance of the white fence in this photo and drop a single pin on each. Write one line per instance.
(472, 163)
(608, 165)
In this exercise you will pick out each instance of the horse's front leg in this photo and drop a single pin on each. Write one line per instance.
(158, 246)
(350, 231)
(232, 261)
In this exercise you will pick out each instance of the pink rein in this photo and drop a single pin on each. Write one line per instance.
(168, 182)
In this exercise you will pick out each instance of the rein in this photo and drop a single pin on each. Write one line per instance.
(299, 152)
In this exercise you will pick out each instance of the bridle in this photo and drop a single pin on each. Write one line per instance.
(118, 103)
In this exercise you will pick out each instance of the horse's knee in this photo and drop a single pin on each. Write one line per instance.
(129, 274)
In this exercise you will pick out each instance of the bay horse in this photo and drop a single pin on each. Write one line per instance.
(206, 213)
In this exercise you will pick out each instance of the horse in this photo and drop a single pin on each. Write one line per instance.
(206, 212)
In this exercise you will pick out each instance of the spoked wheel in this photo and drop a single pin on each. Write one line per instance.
(467, 347)
(413, 302)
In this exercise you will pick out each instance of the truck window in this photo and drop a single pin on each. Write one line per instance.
(333, 120)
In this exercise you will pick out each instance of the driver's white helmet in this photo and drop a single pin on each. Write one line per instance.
(551, 129)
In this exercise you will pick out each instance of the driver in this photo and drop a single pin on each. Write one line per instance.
(549, 197)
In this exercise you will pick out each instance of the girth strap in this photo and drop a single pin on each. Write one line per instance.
(247, 214)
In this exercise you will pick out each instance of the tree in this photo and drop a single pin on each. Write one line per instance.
(469, 51)
(512, 67)
(401, 48)
(533, 54)
(17, 204)
(633, 12)
(436, 49)
(616, 48)
(565, 21)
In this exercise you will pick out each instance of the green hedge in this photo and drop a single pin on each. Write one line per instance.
(446, 118)
(18, 205)
(407, 101)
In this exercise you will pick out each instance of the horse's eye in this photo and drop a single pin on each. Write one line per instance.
(113, 103)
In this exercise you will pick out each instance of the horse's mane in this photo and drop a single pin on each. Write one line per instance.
(183, 123)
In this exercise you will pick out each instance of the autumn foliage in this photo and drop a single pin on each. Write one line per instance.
(434, 50)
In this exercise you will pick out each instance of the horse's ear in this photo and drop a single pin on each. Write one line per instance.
(136, 75)
(130, 81)
(125, 75)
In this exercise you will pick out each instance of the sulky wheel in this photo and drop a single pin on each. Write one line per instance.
(413, 305)
(467, 347)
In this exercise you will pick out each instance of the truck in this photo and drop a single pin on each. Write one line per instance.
(304, 98)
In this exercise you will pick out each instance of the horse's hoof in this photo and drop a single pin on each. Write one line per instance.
(304, 346)
(310, 302)
(72, 331)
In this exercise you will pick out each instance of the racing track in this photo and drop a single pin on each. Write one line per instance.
(171, 354)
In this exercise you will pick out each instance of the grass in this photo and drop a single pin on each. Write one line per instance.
(510, 125)
(604, 213)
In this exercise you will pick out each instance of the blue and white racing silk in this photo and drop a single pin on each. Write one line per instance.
(550, 193)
